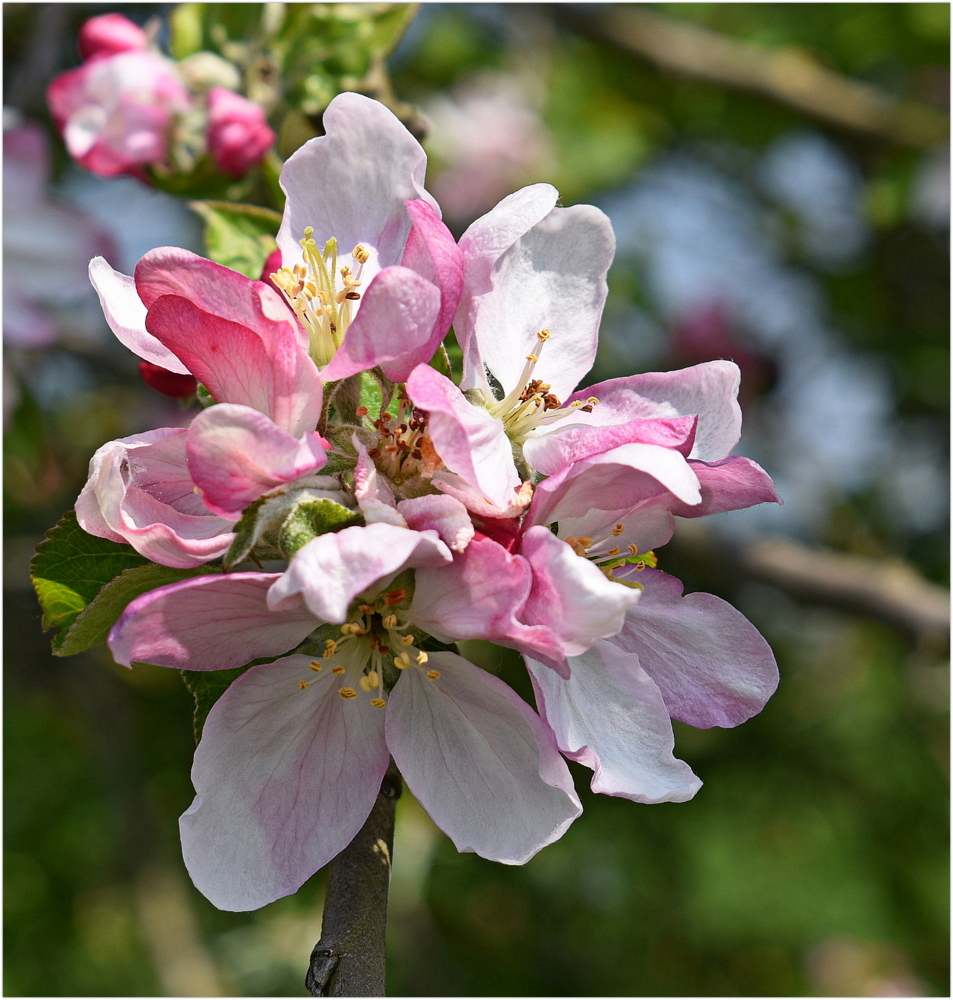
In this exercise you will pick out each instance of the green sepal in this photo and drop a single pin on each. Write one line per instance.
(310, 518)
(238, 236)
(71, 567)
(247, 533)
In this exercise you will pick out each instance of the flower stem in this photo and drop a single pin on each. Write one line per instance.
(348, 961)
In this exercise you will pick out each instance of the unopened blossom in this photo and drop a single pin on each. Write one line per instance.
(110, 34)
(238, 134)
(293, 754)
(115, 112)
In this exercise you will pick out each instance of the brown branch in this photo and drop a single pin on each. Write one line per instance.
(881, 588)
(348, 961)
(789, 76)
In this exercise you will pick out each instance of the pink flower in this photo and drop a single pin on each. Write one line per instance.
(108, 35)
(292, 755)
(370, 270)
(115, 111)
(238, 134)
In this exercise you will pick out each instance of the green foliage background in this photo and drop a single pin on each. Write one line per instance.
(815, 859)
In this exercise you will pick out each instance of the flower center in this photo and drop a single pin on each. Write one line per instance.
(372, 649)
(609, 556)
(322, 294)
(404, 448)
(531, 404)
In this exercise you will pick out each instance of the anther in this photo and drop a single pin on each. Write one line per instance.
(361, 411)
(347, 693)
(374, 677)
(543, 335)
(304, 685)
(394, 597)
(433, 675)
(361, 254)
(314, 665)
(390, 621)
(378, 702)
(633, 550)
(366, 685)
(617, 530)
(532, 357)
(422, 658)
(338, 669)
(407, 640)
(402, 661)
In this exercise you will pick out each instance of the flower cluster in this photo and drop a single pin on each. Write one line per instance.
(127, 107)
(361, 538)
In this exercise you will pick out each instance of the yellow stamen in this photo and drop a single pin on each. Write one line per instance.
(347, 693)
(314, 665)
(402, 661)
(304, 685)
(422, 658)
(338, 669)
(378, 702)
(433, 675)
(407, 640)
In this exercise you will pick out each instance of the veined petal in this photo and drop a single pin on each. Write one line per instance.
(710, 663)
(734, 483)
(444, 514)
(433, 253)
(570, 594)
(478, 759)
(616, 480)
(236, 454)
(126, 315)
(285, 776)
(238, 364)
(353, 183)
(393, 327)
(570, 440)
(552, 278)
(470, 441)
(482, 245)
(481, 596)
(608, 714)
(332, 569)
(207, 623)
(709, 390)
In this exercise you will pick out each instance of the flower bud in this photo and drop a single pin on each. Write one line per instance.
(108, 35)
(238, 135)
(203, 70)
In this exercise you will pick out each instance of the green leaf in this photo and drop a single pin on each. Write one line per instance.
(71, 567)
(311, 518)
(92, 625)
(207, 686)
(239, 236)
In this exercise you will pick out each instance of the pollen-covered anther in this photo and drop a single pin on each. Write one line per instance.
(330, 648)
(433, 675)
(314, 665)
(366, 684)
(617, 530)
(394, 597)
(347, 693)
(402, 660)
(378, 702)
(338, 669)
(407, 640)
(633, 550)
(304, 685)
(361, 254)
(390, 621)
(422, 658)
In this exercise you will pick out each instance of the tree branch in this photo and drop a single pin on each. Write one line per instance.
(789, 76)
(348, 961)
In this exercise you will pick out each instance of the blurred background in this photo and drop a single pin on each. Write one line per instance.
(778, 179)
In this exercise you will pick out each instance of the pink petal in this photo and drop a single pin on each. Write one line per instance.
(552, 278)
(207, 623)
(126, 316)
(433, 253)
(482, 245)
(139, 491)
(375, 498)
(285, 777)
(353, 183)
(471, 443)
(481, 596)
(734, 483)
(394, 326)
(570, 594)
(236, 454)
(332, 569)
(239, 365)
(444, 514)
(608, 714)
(479, 761)
(616, 480)
(570, 441)
(709, 390)
(710, 663)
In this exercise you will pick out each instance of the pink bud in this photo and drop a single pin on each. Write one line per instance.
(108, 35)
(238, 135)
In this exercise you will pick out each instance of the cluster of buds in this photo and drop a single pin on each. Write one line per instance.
(128, 108)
